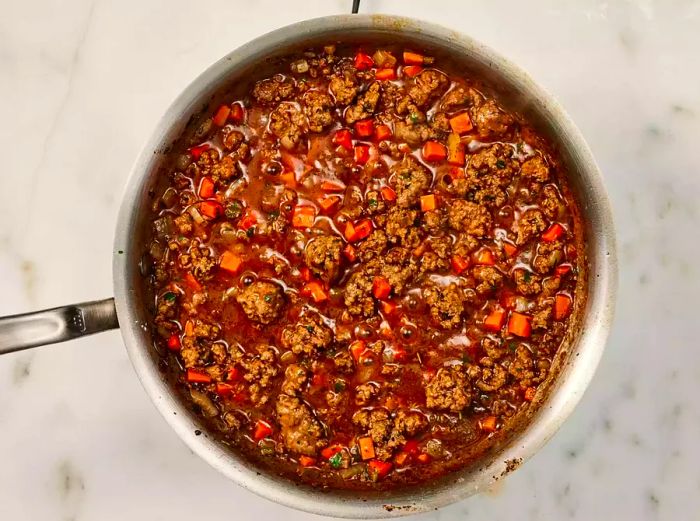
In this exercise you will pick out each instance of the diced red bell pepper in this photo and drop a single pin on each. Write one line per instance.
(224, 389)
(350, 252)
(206, 188)
(412, 70)
(197, 151)
(306, 461)
(174, 342)
(343, 138)
(509, 249)
(552, 233)
(485, 257)
(192, 282)
(303, 216)
(413, 58)
(488, 424)
(233, 374)
(459, 264)
(262, 430)
(519, 324)
(329, 202)
(361, 154)
(195, 376)
(388, 193)
(358, 231)
(388, 307)
(315, 290)
(364, 128)
(332, 186)
(423, 458)
(357, 348)
(379, 469)
(363, 62)
(411, 447)
(562, 306)
(248, 220)
(331, 451)
(211, 209)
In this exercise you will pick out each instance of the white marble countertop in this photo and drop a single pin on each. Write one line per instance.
(82, 84)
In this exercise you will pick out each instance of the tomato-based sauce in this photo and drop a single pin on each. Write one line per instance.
(363, 268)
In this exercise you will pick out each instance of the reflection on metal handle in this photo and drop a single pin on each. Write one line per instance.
(19, 332)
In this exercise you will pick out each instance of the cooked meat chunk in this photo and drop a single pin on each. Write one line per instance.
(365, 105)
(400, 226)
(493, 348)
(287, 124)
(262, 301)
(317, 107)
(261, 371)
(530, 224)
(199, 259)
(413, 133)
(459, 97)
(365, 393)
(489, 172)
(428, 86)
(224, 169)
(550, 203)
(183, 223)
(376, 423)
(301, 431)
(410, 179)
(490, 120)
(273, 90)
(536, 169)
(343, 362)
(343, 86)
(493, 377)
(309, 335)
(373, 246)
(322, 256)
(489, 279)
(549, 254)
(232, 138)
(449, 390)
(526, 282)
(522, 367)
(295, 378)
(446, 304)
(358, 294)
(465, 244)
(469, 217)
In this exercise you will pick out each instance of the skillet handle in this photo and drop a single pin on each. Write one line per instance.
(50, 326)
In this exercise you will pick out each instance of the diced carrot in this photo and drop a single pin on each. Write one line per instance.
(289, 179)
(456, 173)
(329, 202)
(343, 138)
(303, 216)
(230, 262)
(319, 380)
(456, 155)
(248, 220)
(361, 154)
(495, 320)
(357, 348)
(233, 374)
(331, 451)
(224, 389)
(507, 299)
(400, 459)
(412, 58)
(562, 269)
(388, 307)
(379, 469)
(459, 264)
(428, 202)
(552, 233)
(385, 74)
(206, 188)
(381, 288)
(366, 448)
(363, 61)
(197, 151)
(200, 377)
(382, 132)
(412, 70)
(305, 273)
(411, 447)
(332, 186)
(488, 424)
(509, 249)
(192, 282)
(562, 306)
(262, 430)
(388, 193)
(315, 290)
(356, 232)
(350, 252)
(174, 342)
(434, 151)
(485, 257)
(306, 461)
(211, 209)
(364, 128)
(237, 114)
(461, 123)
(221, 115)
(519, 324)
(529, 394)
(423, 458)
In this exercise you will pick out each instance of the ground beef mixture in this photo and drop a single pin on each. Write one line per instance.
(362, 268)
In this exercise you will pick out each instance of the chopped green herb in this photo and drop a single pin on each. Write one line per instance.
(466, 359)
(336, 460)
(501, 164)
(234, 210)
(268, 297)
(310, 329)
(372, 203)
(339, 386)
(527, 277)
(274, 215)
(512, 345)
(250, 231)
(415, 118)
(169, 296)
